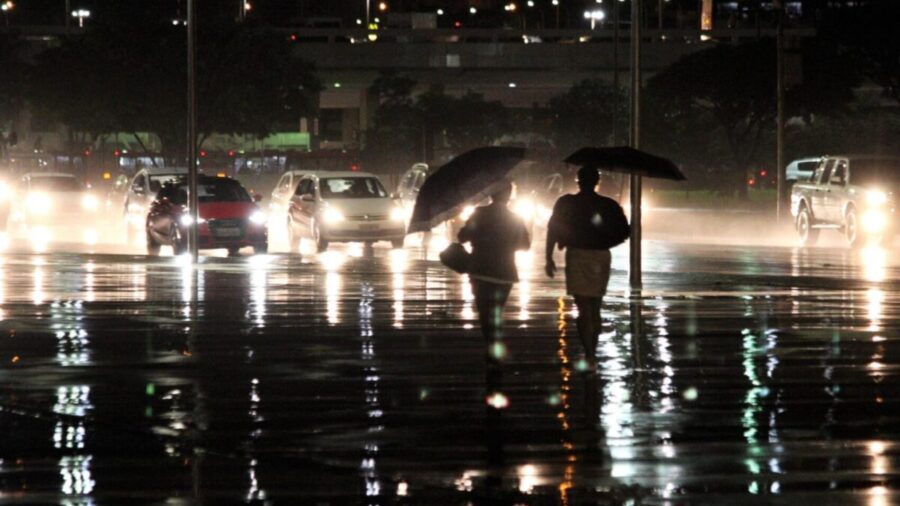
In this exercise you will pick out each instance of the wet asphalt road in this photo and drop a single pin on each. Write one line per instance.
(741, 375)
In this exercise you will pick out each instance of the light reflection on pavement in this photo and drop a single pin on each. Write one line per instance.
(740, 374)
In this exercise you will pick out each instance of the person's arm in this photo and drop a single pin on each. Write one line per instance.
(467, 233)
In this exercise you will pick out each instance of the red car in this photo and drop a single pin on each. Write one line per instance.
(229, 217)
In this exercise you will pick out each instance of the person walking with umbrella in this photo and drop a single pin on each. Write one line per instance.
(496, 233)
(586, 225)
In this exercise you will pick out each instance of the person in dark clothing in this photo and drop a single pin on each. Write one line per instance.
(587, 225)
(496, 233)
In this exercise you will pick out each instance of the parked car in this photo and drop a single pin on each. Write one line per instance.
(855, 195)
(141, 193)
(801, 169)
(229, 218)
(343, 207)
(50, 206)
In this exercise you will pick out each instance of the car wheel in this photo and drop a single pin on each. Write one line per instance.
(152, 245)
(261, 249)
(321, 244)
(397, 243)
(808, 234)
(851, 229)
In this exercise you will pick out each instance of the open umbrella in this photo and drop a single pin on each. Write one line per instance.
(467, 178)
(627, 160)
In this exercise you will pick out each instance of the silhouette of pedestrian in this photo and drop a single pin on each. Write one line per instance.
(496, 233)
(587, 225)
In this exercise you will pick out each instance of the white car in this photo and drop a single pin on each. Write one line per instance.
(53, 206)
(343, 207)
(141, 193)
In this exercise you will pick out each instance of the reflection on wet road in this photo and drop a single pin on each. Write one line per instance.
(738, 375)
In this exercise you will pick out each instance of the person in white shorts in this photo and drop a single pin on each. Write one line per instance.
(586, 225)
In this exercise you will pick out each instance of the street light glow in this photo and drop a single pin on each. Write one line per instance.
(473, 10)
(7, 6)
(382, 6)
(81, 14)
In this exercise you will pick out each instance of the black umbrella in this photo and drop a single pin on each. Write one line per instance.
(627, 160)
(468, 178)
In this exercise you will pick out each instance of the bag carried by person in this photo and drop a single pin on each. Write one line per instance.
(456, 258)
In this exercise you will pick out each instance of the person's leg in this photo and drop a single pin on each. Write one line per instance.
(588, 326)
(490, 299)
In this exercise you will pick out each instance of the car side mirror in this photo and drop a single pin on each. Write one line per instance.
(257, 197)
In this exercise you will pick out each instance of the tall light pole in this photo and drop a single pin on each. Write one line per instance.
(635, 242)
(615, 8)
(81, 14)
(66, 16)
(779, 132)
(193, 202)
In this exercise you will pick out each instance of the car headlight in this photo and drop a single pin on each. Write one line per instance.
(332, 216)
(876, 198)
(89, 203)
(524, 208)
(873, 221)
(187, 220)
(398, 214)
(467, 212)
(38, 203)
(258, 217)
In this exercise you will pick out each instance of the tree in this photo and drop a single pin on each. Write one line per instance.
(725, 96)
(134, 80)
(408, 127)
(869, 31)
(12, 76)
(584, 115)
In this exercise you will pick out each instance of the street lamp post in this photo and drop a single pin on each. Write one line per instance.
(7, 7)
(81, 14)
(193, 201)
(635, 242)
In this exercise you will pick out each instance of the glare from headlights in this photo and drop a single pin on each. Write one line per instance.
(38, 203)
(876, 198)
(187, 220)
(4, 192)
(398, 214)
(258, 217)
(89, 203)
(332, 216)
(467, 212)
(524, 208)
(873, 221)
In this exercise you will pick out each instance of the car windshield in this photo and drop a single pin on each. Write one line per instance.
(875, 172)
(352, 188)
(156, 182)
(55, 184)
(212, 191)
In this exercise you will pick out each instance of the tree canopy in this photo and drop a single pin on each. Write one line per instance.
(722, 100)
(133, 79)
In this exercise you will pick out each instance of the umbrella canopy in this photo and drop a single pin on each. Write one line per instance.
(470, 177)
(627, 160)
